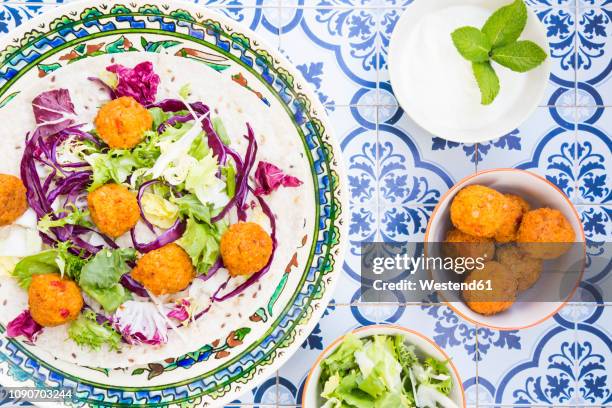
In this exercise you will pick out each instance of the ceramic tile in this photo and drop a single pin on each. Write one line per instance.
(416, 167)
(262, 396)
(593, 157)
(334, 48)
(559, 19)
(545, 144)
(594, 358)
(594, 61)
(597, 280)
(13, 15)
(36, 2)
(358, 143)
(528, 367)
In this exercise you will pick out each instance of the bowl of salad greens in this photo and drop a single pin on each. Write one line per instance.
(383, 366)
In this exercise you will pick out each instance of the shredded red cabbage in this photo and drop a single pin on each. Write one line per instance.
(141, 191)
(140, 82)
(242, 180)
(268, 178)
(23, 325)
(213, 270)
(133, 285)
(170, 235)
(53, 110)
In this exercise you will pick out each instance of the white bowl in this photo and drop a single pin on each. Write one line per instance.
(538, 192)
(424, 346)
(517, 100)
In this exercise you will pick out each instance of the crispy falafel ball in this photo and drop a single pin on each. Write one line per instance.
(54, 300)
(114, 209)
(478, 210)
(526, 268)
(122, 122)
(545, 233)
(514, 209)
(458, 244)
(245, 248)
(164, 270)
(501, 297)
(12, 199)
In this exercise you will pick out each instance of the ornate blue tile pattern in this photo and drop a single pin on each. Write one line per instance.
(397, 173)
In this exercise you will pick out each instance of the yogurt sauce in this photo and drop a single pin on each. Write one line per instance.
(443, 80)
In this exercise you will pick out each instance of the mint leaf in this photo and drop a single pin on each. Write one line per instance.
(506, 24)
(520, 56)
(488, 82)
(472, 44)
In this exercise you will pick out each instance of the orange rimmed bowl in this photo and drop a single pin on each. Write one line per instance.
(538, 192)
(424, 346)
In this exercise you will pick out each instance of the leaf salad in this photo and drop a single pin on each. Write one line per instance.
(382, 371)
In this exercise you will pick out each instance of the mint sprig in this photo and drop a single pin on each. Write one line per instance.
(472, 44)
(498, 41)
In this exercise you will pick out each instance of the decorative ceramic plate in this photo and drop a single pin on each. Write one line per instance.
(246, 350)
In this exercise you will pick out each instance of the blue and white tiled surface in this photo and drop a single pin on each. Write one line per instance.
(397, 172)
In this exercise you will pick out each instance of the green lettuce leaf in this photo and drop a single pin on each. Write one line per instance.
(229, 172)
(378, 357)
(199, 148)
(201, 242)
(75, 216)
(159, 116)
(39, 264)
(343, 358)
(158, 210)
(190, 207)
(117, 164)
(220, 130)
(185, 91)
(100, 277)
(57, 260)
(106, 267)
(87, 332)
(202, 181)
(109, 298)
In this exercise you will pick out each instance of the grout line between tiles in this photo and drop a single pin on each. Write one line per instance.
(477, 367)
(576, 27)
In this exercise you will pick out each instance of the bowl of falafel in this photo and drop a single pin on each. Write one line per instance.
(527, 237)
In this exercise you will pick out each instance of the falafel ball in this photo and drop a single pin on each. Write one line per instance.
(245, 248)
(164, 270)
(503, 294)
(514, 209)
(458, 244)
(122, 122)
(54, 300)
(526, 268)
(12, 198)
(478, 210)
(545, 233)
(114, 209)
